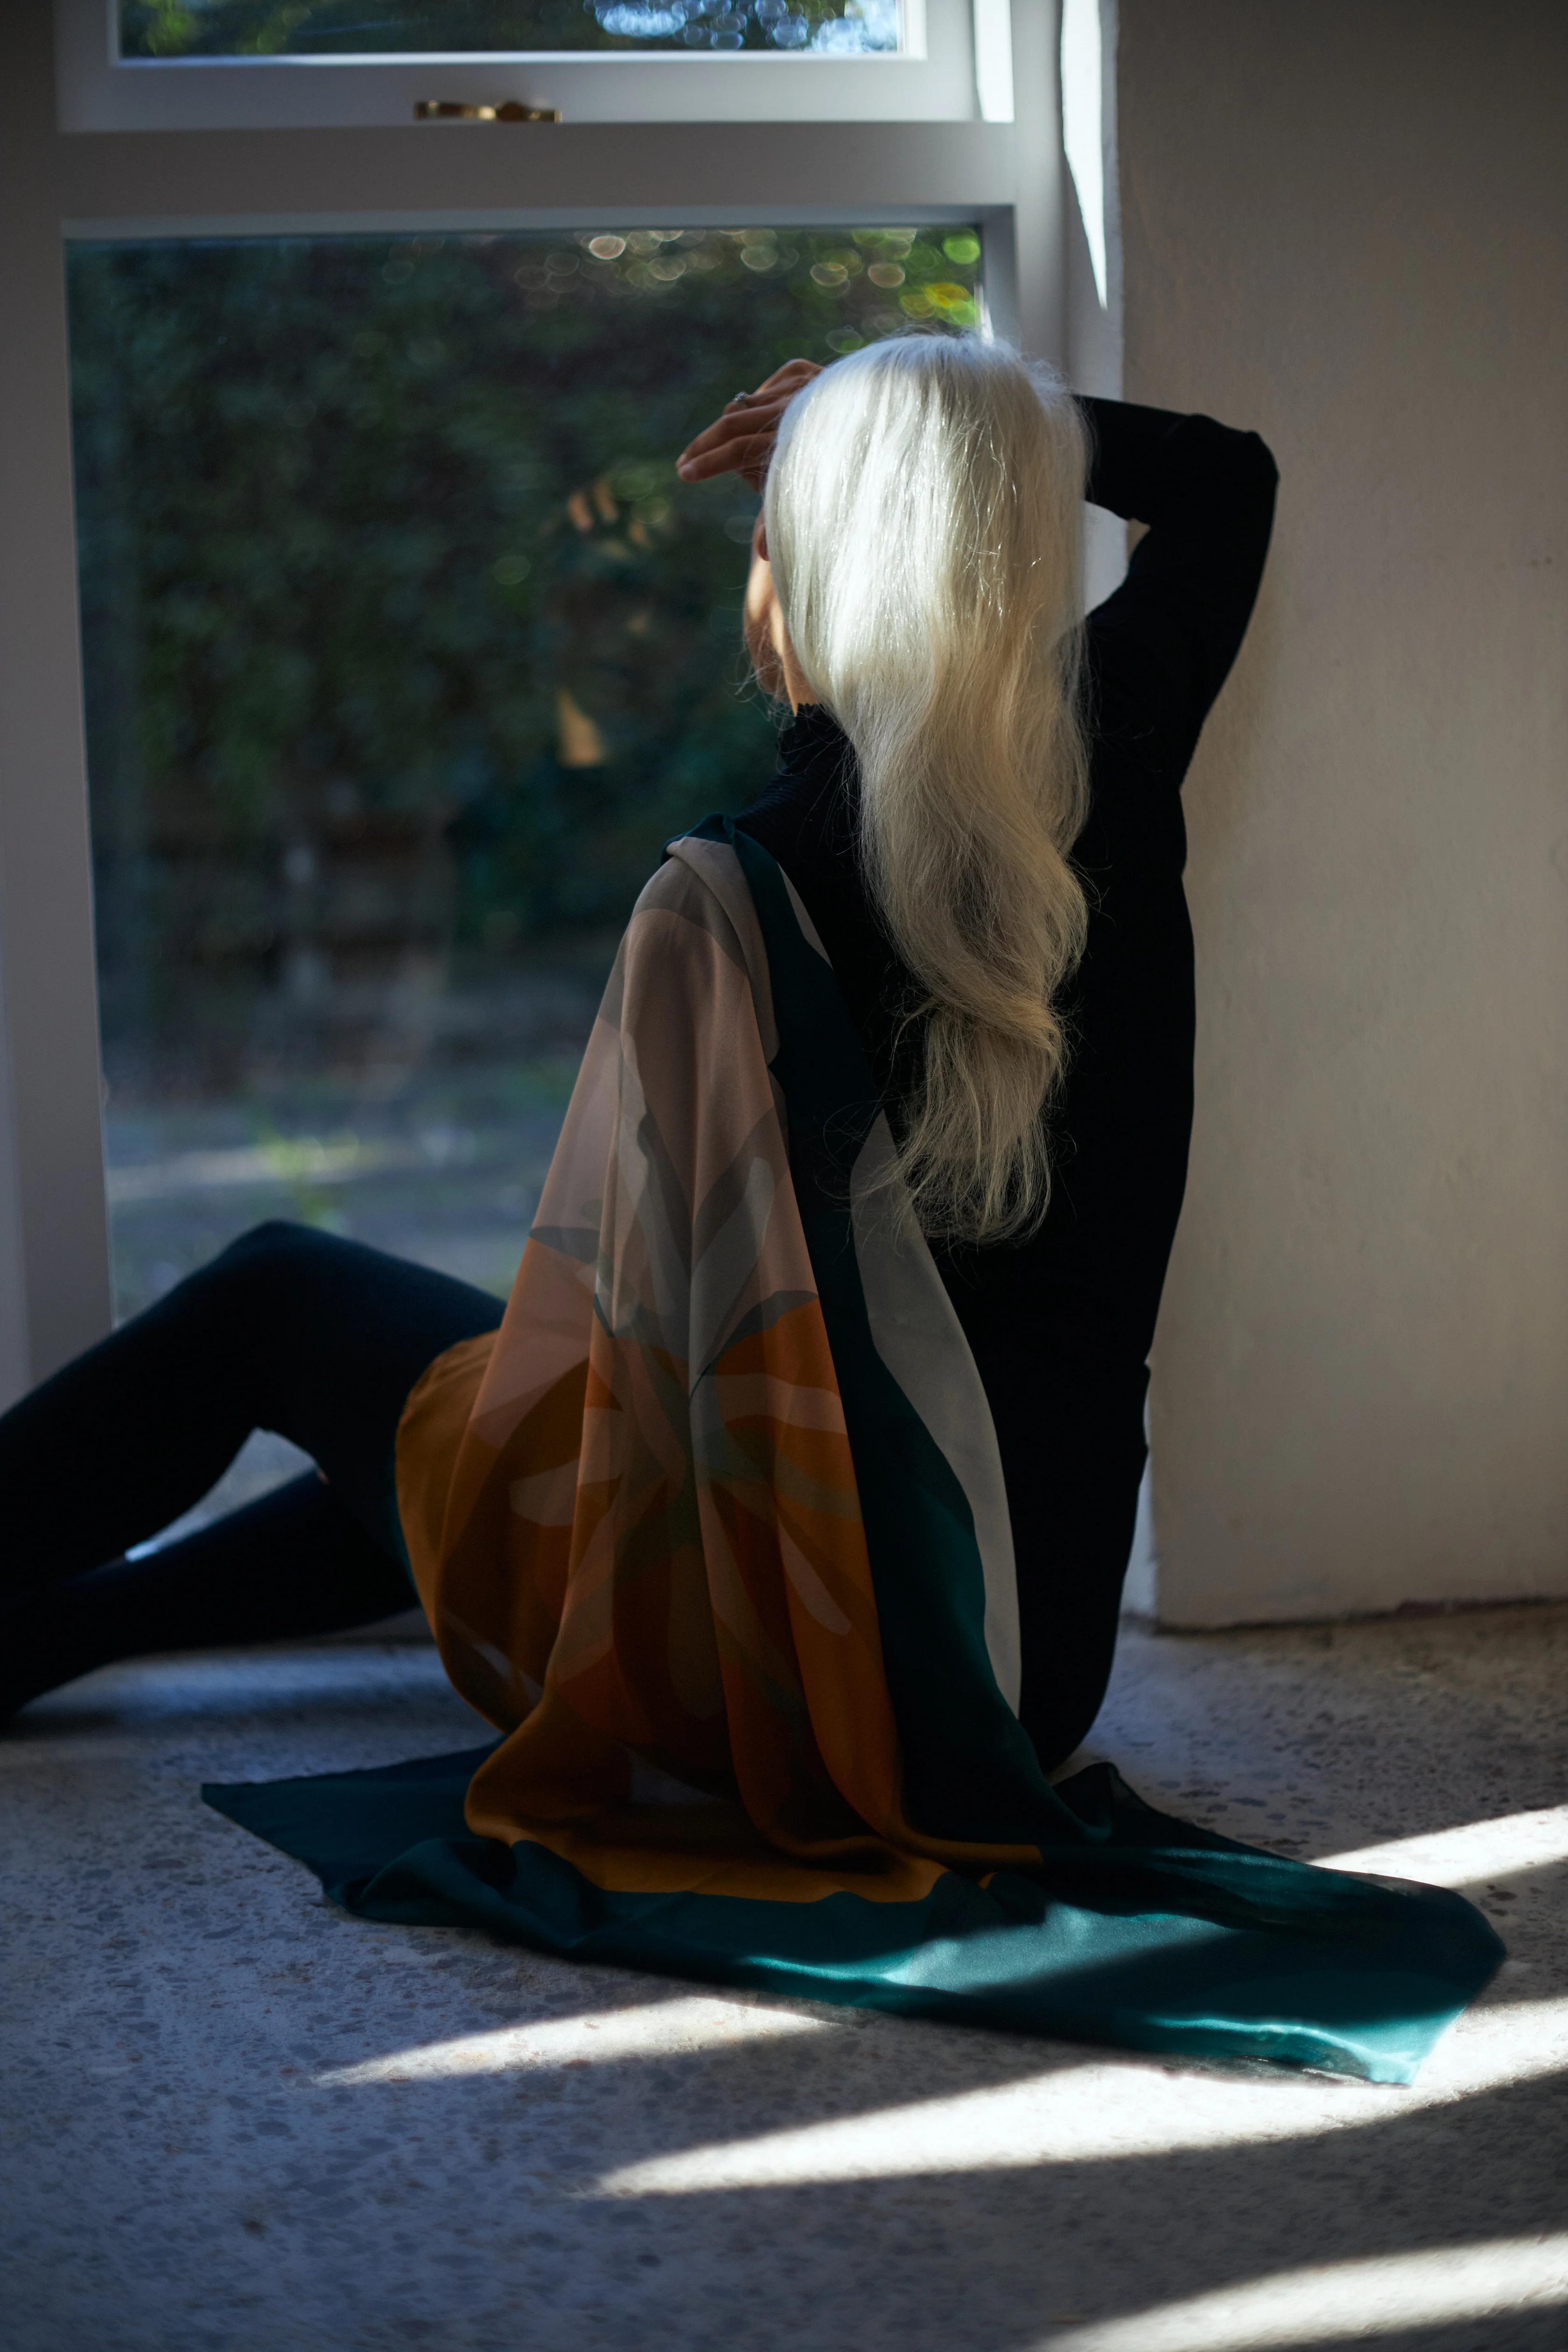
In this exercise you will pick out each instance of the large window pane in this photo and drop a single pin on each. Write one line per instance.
(405, 650)
(268, 28)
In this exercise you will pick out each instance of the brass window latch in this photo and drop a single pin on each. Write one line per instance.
(445, 110)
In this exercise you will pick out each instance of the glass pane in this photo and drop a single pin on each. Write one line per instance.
(405, 650)
(271, 28)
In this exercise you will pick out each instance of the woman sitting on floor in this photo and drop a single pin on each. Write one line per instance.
(779, 1526)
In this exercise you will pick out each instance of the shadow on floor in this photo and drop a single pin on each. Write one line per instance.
(239, 2118)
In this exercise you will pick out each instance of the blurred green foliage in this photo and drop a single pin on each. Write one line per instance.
(382, 533)
(176, 28)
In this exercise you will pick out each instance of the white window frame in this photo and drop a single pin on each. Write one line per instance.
(55, 1296)
(951, 68)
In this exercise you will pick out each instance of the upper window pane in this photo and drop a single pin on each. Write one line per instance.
(161, 29)
(254, 65)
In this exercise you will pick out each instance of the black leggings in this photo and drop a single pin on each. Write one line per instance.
(321, 1339)
(288, 1330)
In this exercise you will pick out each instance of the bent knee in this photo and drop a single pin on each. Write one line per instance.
(275, 1255)
(274, 1238)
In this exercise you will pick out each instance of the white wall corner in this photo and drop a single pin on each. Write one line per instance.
(1092, 278)
(54, 1237)
(1091, 229)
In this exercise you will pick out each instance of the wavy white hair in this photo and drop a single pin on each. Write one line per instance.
(924, 514)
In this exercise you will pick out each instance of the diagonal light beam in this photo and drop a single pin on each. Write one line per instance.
(1106, 2110)
(1465, 1855)
(1340, 2303)
(652, 2029)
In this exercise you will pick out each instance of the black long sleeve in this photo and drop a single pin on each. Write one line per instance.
(1060, 1325)
(1170, 633)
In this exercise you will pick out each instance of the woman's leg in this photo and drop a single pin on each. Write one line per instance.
(288, 1329)
(295, 1562)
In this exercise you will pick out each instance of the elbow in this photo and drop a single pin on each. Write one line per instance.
(1236, 463)
(1245, 489)
(1255, 481)
(1262, 460)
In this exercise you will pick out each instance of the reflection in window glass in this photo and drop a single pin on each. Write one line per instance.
(405, 651)
(268, 28)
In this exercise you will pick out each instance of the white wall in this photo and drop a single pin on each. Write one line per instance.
(54, 1242)
(1345, 223)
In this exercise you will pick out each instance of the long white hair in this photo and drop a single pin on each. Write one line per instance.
(924, 522)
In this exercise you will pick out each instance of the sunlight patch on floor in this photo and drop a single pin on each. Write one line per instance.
(1467, 1855)
(654, 2030)
(1340, 2303)
(1107, 2110)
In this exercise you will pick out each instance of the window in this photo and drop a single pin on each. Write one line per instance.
(161, 29)
(406, 649)
(228, 64)
(370, 877)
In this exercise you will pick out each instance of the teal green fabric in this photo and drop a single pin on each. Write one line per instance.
(1235, 1954)
(1133, 1928)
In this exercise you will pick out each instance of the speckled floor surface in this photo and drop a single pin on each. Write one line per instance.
(234, 2117)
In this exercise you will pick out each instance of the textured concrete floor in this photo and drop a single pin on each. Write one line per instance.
(234, 2117)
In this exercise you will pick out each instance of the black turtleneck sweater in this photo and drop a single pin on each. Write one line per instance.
(1060, 1325)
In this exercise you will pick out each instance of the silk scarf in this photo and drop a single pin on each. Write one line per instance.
(720, 1548)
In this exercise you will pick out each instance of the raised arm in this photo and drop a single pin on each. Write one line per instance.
(1164, 643)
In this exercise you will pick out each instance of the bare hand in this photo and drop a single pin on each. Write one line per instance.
(741, 441)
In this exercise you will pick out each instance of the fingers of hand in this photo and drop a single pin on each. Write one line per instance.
(792, 375)
(746, 453)
(759, 416)
(726, 439)
(734, 441)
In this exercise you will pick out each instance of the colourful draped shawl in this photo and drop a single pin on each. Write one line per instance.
(714, 1532)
